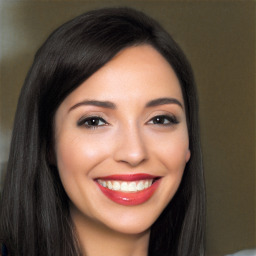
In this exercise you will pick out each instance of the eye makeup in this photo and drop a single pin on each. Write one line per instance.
(92, 122)
(166, 120)
(95, 121)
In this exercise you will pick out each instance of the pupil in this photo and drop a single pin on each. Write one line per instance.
(159, 120)
(94, 121)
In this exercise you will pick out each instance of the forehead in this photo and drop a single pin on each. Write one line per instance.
(136, 73)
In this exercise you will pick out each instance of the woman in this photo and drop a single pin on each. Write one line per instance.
(105, 156)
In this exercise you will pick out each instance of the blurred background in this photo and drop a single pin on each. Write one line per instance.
(218, 38)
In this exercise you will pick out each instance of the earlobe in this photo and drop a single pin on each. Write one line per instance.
(188, 155)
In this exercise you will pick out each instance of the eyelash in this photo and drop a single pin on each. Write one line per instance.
(162, 120)
(96, 119)
(171, 120)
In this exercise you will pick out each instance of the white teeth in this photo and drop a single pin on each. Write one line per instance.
(132, 186)
(140, 186)
(124, 186)
(116, 185)
(109, 185)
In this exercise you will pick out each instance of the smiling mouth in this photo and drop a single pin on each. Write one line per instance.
(132, 186)
(128, 189)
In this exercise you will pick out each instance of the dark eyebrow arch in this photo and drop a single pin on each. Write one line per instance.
(103, 104)
(163, 101)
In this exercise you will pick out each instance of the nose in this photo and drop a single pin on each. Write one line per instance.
(131, 147)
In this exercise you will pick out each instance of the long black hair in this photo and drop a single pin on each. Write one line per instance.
(34, 211)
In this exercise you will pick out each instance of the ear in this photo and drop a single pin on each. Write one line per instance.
(188, 154)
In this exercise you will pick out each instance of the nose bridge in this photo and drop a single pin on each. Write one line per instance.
(131, 144)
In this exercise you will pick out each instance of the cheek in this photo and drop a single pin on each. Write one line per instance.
(172, 155)
(174, 160)
(78, 154)
(173, 152)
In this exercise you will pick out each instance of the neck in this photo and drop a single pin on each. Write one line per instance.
(97, 239)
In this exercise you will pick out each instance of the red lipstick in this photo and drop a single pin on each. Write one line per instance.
(129, 177)
(129, 198)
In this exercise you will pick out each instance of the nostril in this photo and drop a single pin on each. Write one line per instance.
(131, 158)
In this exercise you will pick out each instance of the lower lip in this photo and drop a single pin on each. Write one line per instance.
(133, 198)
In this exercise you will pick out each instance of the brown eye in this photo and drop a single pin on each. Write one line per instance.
(164, 120)
(92, 122)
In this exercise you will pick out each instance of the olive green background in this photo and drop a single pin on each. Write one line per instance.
(219, 40)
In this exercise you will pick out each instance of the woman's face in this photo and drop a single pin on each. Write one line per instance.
(120, 131)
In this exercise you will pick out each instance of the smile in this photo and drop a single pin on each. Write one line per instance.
(128, 189)
(124, 186)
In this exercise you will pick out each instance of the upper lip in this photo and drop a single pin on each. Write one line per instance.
(129, 177)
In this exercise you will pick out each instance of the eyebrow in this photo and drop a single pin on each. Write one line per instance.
(111, 105)
(97, 103)
(164, 101)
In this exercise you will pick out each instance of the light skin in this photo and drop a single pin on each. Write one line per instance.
(127, 118)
